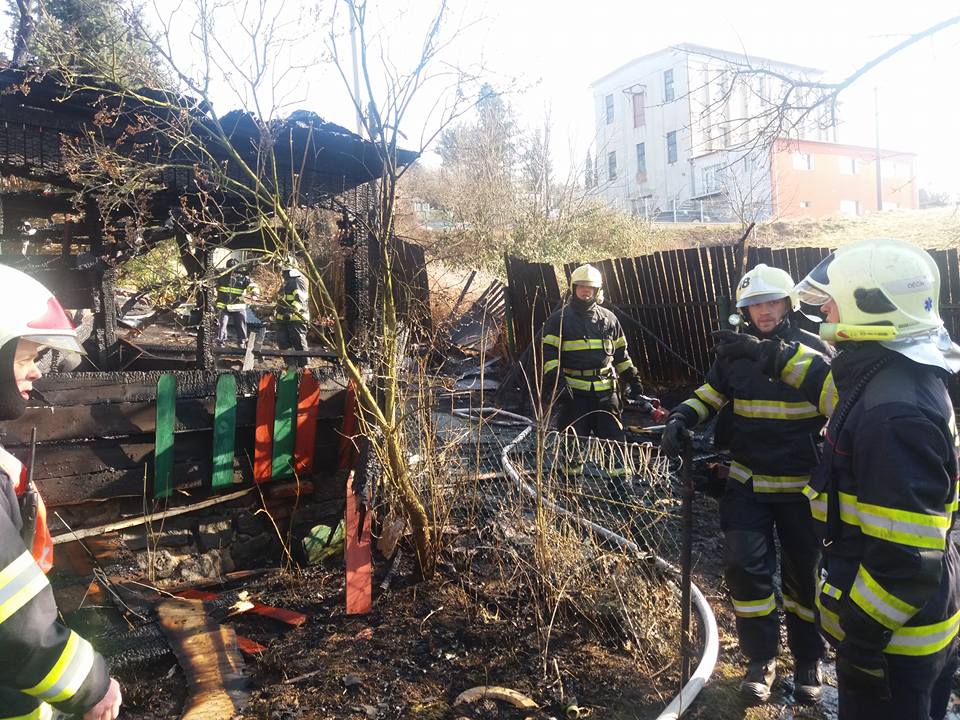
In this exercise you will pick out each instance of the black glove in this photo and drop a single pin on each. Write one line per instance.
(634, 390)
(675, 435)
(733, 346)
(863, 671)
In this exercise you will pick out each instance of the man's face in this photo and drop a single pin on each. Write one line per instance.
(25, 369)
(584, 292)
(830, 311)
(766, 316)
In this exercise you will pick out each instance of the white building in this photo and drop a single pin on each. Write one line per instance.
(691, 123)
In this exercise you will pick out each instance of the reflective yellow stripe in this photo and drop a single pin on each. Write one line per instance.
(901, 526)
(550, 365)
(818, 503)
(620, 342)
(791, 605)
(830, 591)
(551, 340)
(739, 472)
(923, 639)
(829, 620)
(754, 608)
(710, 396)
(828, 396)
(590, 344)
(774, 410)
(69, 672)
(20, 582)
(797, 367)
(952, 506)
(698, 407)
(230, 290)
(888, 610)
(622, 366)
(590, 385)
(41, 712)
(779, 483)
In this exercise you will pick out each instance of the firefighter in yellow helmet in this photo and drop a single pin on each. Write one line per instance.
(43, 664)
(585, 357)
(884, 496)
(773, 436)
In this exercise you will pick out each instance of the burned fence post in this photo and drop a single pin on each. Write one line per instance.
(105, 322)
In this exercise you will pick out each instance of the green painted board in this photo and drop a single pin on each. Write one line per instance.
(284, 430)
(163, 441)
(224, 431)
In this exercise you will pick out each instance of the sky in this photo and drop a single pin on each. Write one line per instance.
(546, 53)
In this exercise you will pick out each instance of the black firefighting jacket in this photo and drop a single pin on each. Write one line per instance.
(884, 498)
(293, 301)
(585, 342)
(231, 291)
(774, 430)
(38, 655)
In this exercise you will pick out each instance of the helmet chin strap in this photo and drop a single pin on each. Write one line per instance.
(12, 404)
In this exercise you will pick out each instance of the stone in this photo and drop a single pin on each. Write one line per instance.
(165, 564)
(255, 551)
(247, 523)
(215, 534)
(141, 538)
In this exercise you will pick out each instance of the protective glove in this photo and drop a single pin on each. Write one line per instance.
(734, 346)
(863, 670)
(674, 436)
(635, 389)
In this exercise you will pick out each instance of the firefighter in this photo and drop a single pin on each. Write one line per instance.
(584, 357)
(232, 294)
(773, 437)
(884, 495)
(293, 312)
(41, 660)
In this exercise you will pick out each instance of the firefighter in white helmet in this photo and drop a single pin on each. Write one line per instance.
(584, 358)
(43, 664)
(884, 497)
(772, 436)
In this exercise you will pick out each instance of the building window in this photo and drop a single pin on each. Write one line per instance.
(612, 165)
(887, 205)
(672, 146)
(848, 165)
(639, 105)
(710, 177)
(641, 158)
(849, 207)
(668, 85)
(805, 203)
(802, 161)
(609, 105)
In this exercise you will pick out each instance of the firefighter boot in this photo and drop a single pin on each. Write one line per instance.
(756, 684)
(807, 682)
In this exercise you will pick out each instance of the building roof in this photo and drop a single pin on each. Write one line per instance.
(886, 153)
(705, 51)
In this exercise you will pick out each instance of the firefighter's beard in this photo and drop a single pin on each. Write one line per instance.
(12, 404)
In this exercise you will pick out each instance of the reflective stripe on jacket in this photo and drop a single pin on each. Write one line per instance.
(884, 500)
(293, 300)
(39, 656)
(774, 428)
(587, 344)
(231, 292)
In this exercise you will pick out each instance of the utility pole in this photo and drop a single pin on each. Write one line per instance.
(876, 114)
(356, 70)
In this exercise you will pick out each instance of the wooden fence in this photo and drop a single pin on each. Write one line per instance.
(669, 302)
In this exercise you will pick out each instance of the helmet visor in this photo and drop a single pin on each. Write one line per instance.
(749, 300)
(64, 343)
(810, 293)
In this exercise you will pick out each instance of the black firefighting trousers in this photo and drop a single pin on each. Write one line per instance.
(750, 562)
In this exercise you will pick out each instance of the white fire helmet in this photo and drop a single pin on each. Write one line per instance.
(33, 313)
(764, 284)
(886, 283)
(588, 276)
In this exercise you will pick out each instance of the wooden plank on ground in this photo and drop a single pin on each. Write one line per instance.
(224, 431)
(288, 617)
(358, 555)
(163, 443)
(283, 425)
(306, 432)
(263, 431)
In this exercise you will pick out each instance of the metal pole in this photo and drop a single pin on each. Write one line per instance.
(876, 113)
(686, 477)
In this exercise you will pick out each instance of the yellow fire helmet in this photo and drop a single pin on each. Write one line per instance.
(764, 284)
(588, 275)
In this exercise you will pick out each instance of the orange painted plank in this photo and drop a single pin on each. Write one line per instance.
(290, 617)
(348, 447)
(263, 432)
(308, 406)
(249, 647)
(357, 555)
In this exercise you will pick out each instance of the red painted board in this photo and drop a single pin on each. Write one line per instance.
(263, 432)
(305, 443)
(348, 447)
(248, 646)
(290, 617)
(357, 556)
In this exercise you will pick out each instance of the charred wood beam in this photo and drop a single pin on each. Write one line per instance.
(105, 322)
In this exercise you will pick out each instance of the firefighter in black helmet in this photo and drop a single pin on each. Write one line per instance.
(773, 443)
(884, 496)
